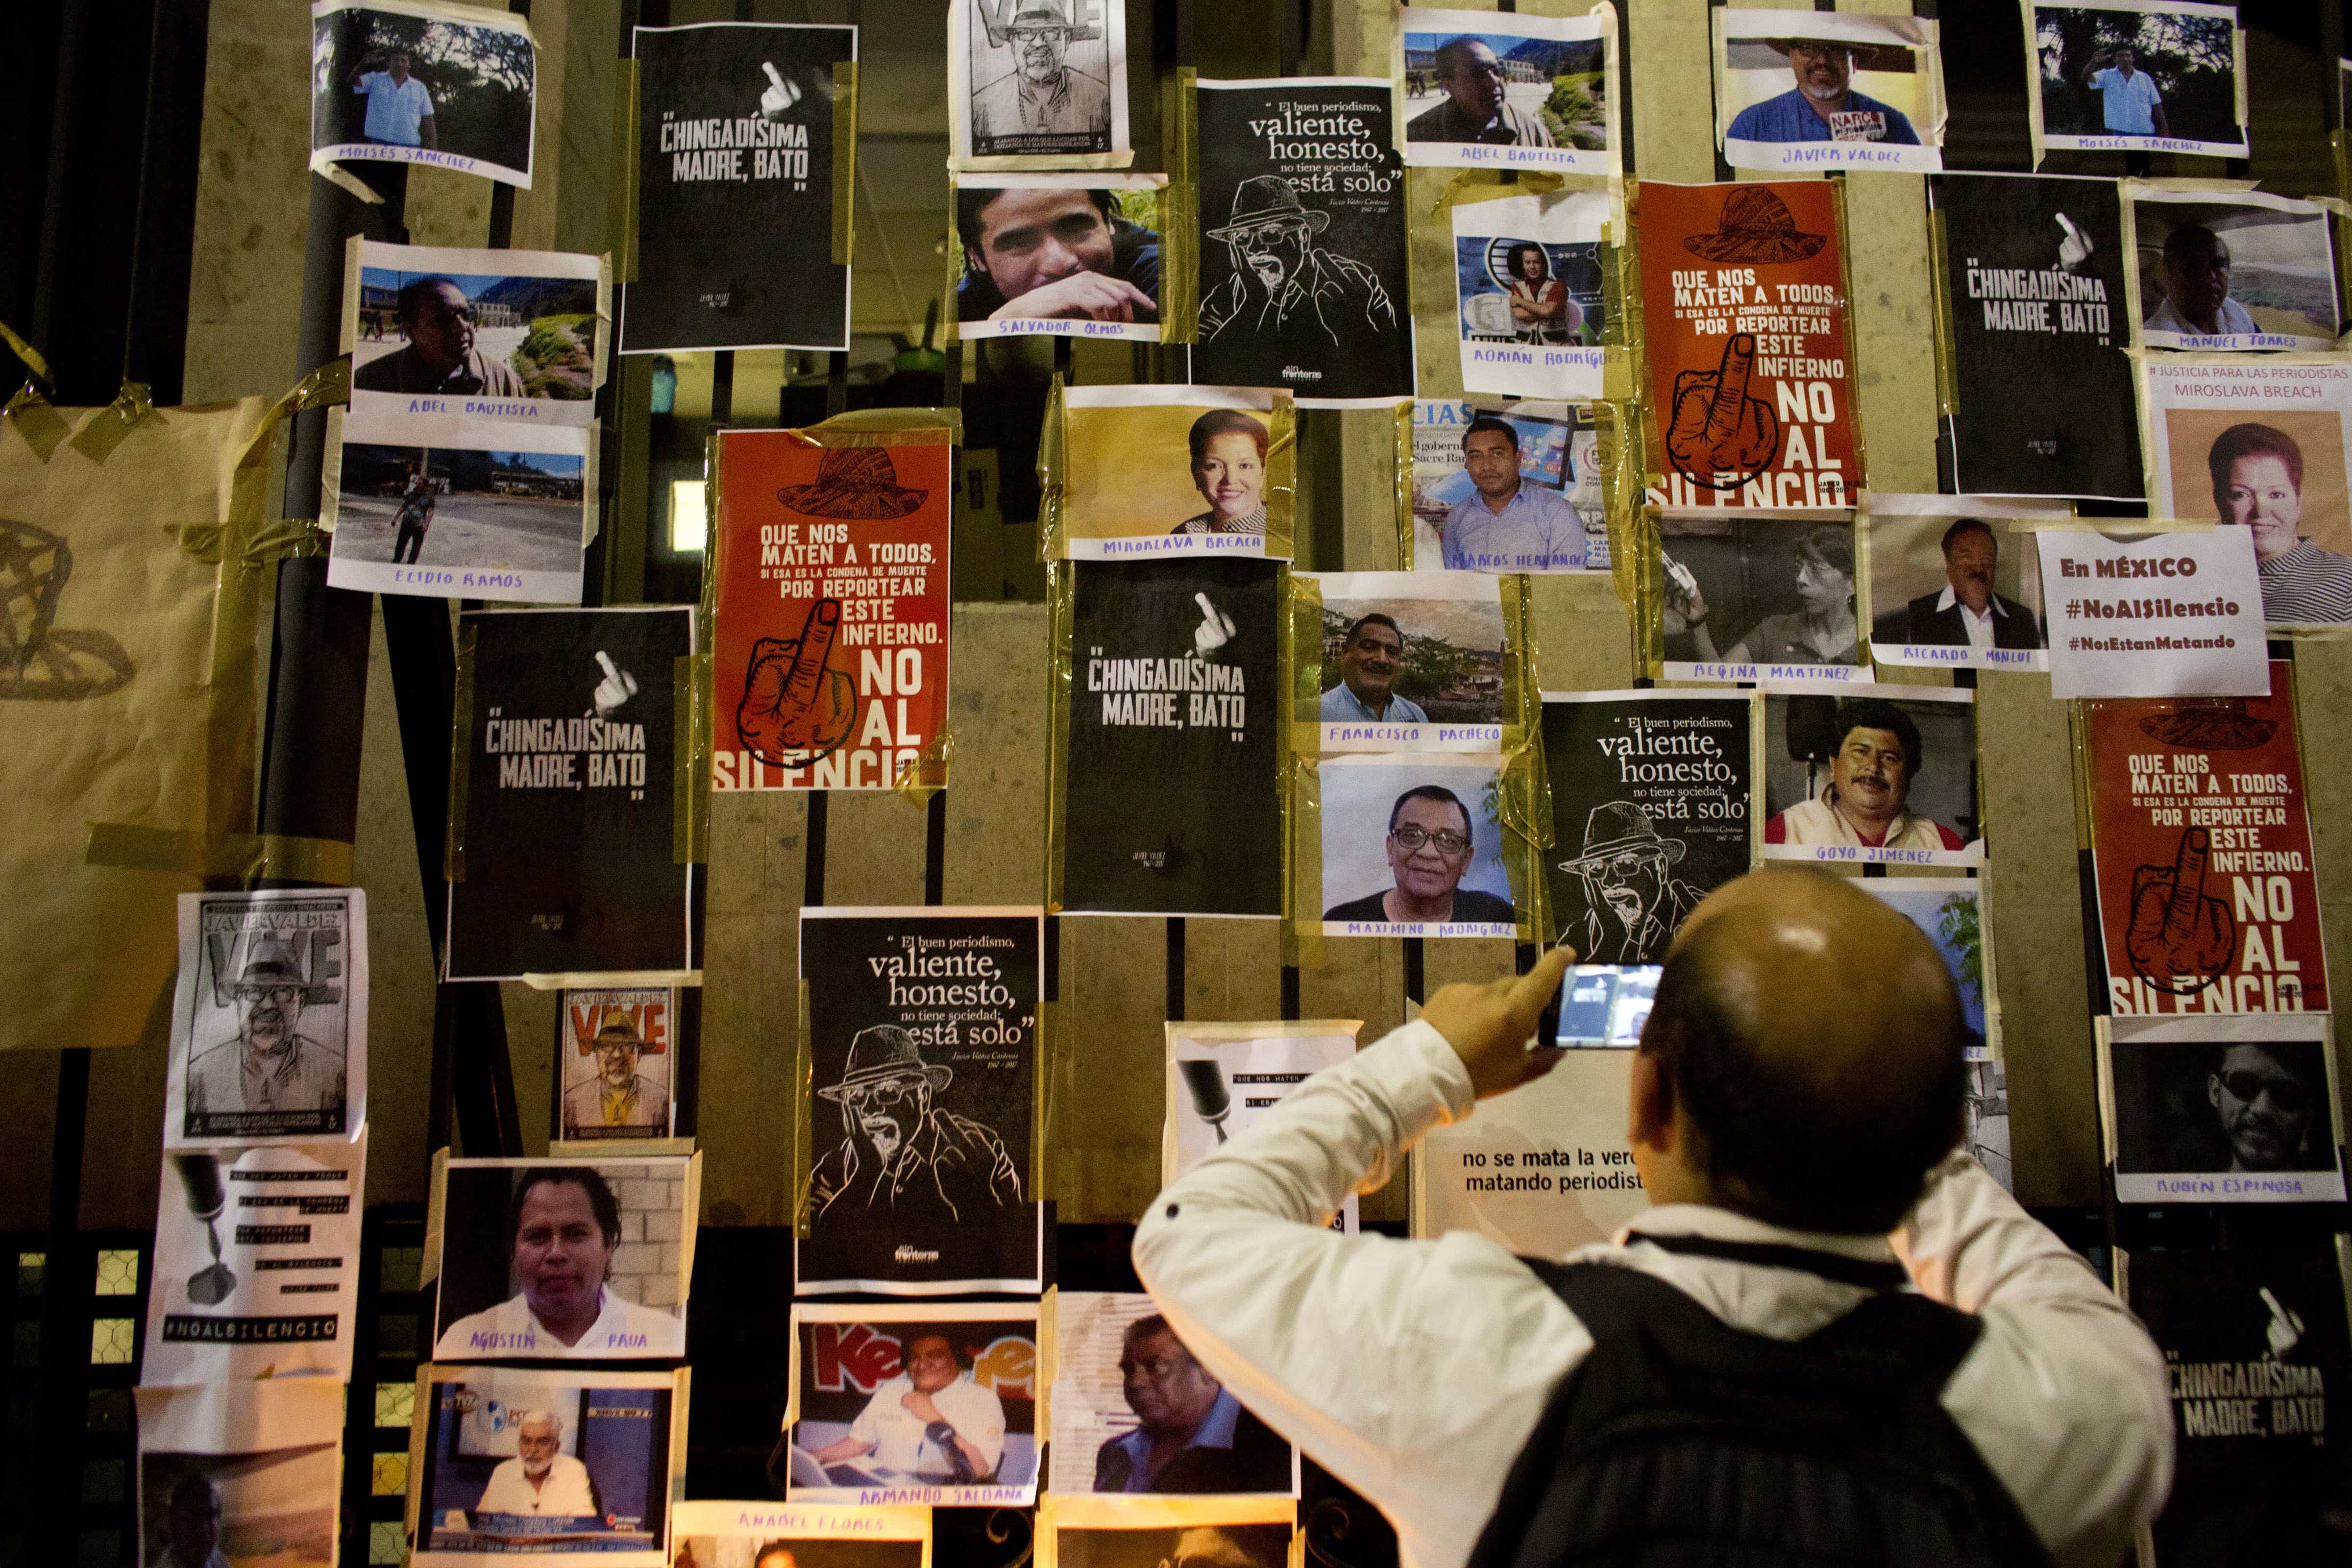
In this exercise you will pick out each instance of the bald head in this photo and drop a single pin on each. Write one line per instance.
(1807, 1041)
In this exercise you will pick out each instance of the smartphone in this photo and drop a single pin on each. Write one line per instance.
(1600, 1006)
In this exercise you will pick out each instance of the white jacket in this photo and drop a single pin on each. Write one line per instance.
(1415, 1370)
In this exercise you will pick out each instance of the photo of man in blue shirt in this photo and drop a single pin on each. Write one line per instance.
(2129, 94)
(1822, 106)
(1508, 525)
(399, 107)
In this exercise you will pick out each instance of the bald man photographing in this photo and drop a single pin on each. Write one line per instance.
(1834, 1339)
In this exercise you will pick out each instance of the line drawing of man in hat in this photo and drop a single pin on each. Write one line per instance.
(1822, 106)
(269, 1065)
(901, 1153)
(1301, 291)
(618, 1096)
(1633, 902)
(1042, 94)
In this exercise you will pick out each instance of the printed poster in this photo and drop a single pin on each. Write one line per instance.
(873, 1382)
(1500, 89)
(450, 507)
(1304, 282)
(735, 190)
(1541, 1171)
(1223, 1077)
(1551, 454)
(2258, 1364)
(922, 1054)
(2209, 888)
(1134, 1414)
(268, 1020)
(1798, 90)
(1170, 765)
(2137, 76)
(830, 647)
(2224, 269)
(2179, 613)
(2217, 1110)
(1528, 292)
(617, 1063)
(566, 860)
(491, 334)
(2264, 445)
(451, 87)
(241, 1471)
(257, 1267)
(568, 1467)
(1651, 803)
(1037, 84)
(1957, 582)
(2032, 272)
(1744, 308)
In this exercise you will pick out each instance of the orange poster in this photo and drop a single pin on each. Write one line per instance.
(830, 634)
(1745, 321)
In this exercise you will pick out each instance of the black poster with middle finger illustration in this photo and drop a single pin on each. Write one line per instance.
(735, 191)
(1171, 762)
(562, 857)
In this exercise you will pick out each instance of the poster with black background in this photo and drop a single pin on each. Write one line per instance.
(1172, 795)
(1649, 814)
(1303, 269)
(2258, 1363)
(735, 153)
(922, 1051)
(2042, 401)
(565, 836)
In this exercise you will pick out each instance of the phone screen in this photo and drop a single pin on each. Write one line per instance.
(1600, 1005)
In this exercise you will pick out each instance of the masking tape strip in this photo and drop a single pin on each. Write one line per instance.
(100, 435)
(1286, 655)
(461, 737)
(1845, 292)
(1516, 800)
(689, 782)
(1061, 594)
(1052, 474)
(1303, 894)
(845, 162)
(951, 263)
(2032, 86)
(1402, 470)
(251, 544)
(1302, 658)
(624, 88)
(886, 428)
(925, 773)
(1939, 283)
(36, 420)
(1178, 240)
(803, 1090)
(1282, 478)
(276, 855)
(1049, 1097)
(612, 979)
(1522, 696)
(1041, 1077)
(34, 360)
(335, 174)
(1180, 287)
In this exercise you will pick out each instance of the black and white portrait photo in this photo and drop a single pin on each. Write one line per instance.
(922, 1054)
(1135, 1414)
(584, 1261)
(1750, 598)
(2222, 1109)
(1037, 84)
(1303, 265)
(270, 1020)
(450, 86)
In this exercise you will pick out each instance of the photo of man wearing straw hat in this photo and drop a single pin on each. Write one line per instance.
(902, 1158)
(1823, 106)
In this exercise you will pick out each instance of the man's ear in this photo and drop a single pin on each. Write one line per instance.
(1650, 1103)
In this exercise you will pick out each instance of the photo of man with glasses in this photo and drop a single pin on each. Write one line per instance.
(1822, 106)
(1044, 103)
(2259, 1111)
(269, 1076)
(439, 358)
(1431, 847)
(2263, 1098)
(902, 1158)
